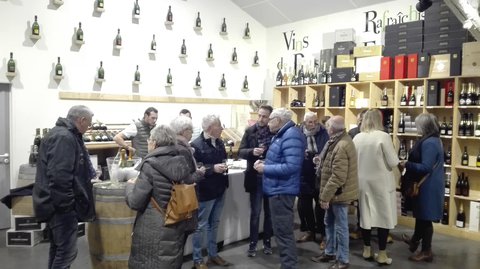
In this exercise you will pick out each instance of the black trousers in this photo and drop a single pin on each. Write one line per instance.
(424, 232)
(311, 219)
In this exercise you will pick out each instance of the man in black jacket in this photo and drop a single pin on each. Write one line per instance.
(62, 194)
(254, 145)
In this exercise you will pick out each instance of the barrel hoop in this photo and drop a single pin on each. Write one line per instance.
(110, 199)
(118, 257)
(118, 221)
(111, 192)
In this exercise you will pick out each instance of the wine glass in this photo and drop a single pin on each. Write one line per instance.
(263, 146)
(225, 163)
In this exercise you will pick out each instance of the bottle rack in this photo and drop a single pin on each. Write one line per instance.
(368, 95)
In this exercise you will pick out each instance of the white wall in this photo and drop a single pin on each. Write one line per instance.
(35, 101)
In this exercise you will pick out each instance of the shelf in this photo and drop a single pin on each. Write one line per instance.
(56, 77)
(439, 107)
(466, 107)
(255, 65)
(245, 89)
(447, 166)
(222, 88)
(336, 107)
(234, 62)
(118, 47)
(473, 197)
(58, 2)
(96, 96)
(446, 136)
(102, 145)
(410, 107)
(79, 42)
(246, 37)
(100, 80)
(468, 137)
(99, 9)
(316, 107)
(10, 74)
(408, 134)
(470, 168)
(385, 107)
(297, 107)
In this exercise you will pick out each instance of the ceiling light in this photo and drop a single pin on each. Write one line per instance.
(423, 5)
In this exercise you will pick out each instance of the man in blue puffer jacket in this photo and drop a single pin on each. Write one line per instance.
(281, 180)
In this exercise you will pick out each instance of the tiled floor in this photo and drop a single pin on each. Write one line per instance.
(449, 253)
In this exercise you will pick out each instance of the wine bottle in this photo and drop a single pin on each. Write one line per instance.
(123, 158)
(422, 101)
(183, 48)
(342, 98)
(32, 158)
(118, 38)
(137, 75)
(477, 128)
(79, 32)
(323, 74)
(234, 55)
(390, 125)
(210, 52)
(448, 156)
(58, 68)
(153, 44)
(402, 151)
(384, 101)
(401, 124)
(136, 8)
(224, 26)
(353, 78)
(463, 95)
(449, 101)
(246, 33)
(412, 101)
(198, 80)
(450, 127)
(101, 72)
(460, 223)
(223, 82)
(445, 213)
(469, 99)
(443, 127)
(255, 58)
(169, 77)
(300, 76)
(100, 4)
(169, 14)
(447, 184)
(38, 139)
(352, 98)
(322, 100)
(11, 64)
(466, 187)
(403, 99)
(461, 126)
(279, 78)
(35, 27)
(465, 157)
(478, 160)
(329, 74)
(245, 83)
(469, 125)
(97, 137)
(198, 21)
(104, 136)
(458, 186)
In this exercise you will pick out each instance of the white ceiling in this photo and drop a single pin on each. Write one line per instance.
(276, 12)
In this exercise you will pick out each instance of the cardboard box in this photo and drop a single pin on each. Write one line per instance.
(368, 64)
(24, 223)
(23, 238)
(456, 63)
(412, 65)
(474, 218)
(423, 65)
(386, 68)
(439, 66)
(369, 76)
(345, 61)
(433, 93)
(342, 74)
(367, 51)
(22, 205)
(400, 69)
(471, 59)
(342, 35)
(336, 93)
(342, 48)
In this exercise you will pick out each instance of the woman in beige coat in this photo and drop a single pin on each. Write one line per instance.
(377, 198)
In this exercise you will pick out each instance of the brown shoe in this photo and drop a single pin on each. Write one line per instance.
(356, 235)
(426, 256)
(323, 245)
(200, 265)
(308, 236)
(412, 246)
(323, 258)
(218, 261)
(339, 265)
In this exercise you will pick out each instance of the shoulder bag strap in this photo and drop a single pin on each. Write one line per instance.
(425, 177)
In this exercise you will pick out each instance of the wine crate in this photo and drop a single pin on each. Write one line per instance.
(23, 238)
(24, 223)
(22, 205)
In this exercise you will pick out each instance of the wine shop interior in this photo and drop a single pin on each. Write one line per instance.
(229, 57)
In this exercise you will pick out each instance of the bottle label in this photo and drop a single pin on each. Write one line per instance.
(447, 190)
(460, 224)
(59, 72)
(477, 132)
(403, 103)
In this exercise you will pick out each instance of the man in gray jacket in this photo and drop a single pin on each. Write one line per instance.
(338, 188)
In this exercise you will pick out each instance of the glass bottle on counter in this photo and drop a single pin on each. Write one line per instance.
(101, 71)
(118, 38)
(11, 64)
(198, 80)
(169, 14)
(169, 77)
(123, 158)
(153, 44)
(137, 75)
(183, 48)
(384, 101)
(198, 21)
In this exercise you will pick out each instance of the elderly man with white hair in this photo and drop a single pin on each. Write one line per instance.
(281, 180)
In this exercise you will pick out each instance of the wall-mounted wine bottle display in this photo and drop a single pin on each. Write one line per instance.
(198, 23)
(118, 40)
(58, 69)
(79, 34)
(256, 61)
(223, 28)
(35, 29)
(153, 44)
(183, 50)
(198, 81)
(169, 78)
(11, 65)
(245, 85)
(223, 83)
(234, 58)
(136, 9)
(101, 72)
(210, 53)
(169, 20)
(246, 32)
(137, 75)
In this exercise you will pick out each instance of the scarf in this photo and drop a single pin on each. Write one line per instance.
(264, 136)
(311, 141)
(333, 139)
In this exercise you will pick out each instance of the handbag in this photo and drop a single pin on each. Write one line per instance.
(413, 190)
(182, 204)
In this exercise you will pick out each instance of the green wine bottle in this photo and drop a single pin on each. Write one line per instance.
(35, 27)
(137, 75)
(198, 21)
(183, 49)
(100, 4)
(255, 58)
(198, 80)
(247, 32)
(118, 38)
(79, 32)
(58, 68)
(169, 77)
(169, 14)
(224, 26)
(136, 8)
(245, 83)
(210, 52)
(153, 44)
(11, 64)
(101, 72)
(223, 82)
(234, 55)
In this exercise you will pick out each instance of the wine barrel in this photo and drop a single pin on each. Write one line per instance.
(110, 235)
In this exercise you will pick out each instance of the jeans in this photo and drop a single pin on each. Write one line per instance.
(312, 220)
(336, 228)
(281, 208)
(256, 199)
(208, 219)
(63, 240)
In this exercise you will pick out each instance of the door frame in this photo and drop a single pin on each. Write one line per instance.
(5, 92)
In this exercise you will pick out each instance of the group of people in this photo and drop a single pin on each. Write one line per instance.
(318, 163)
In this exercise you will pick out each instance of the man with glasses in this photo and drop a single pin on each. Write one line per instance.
(281, 180)
(254, 146)
(139, 132)
(62, 194)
